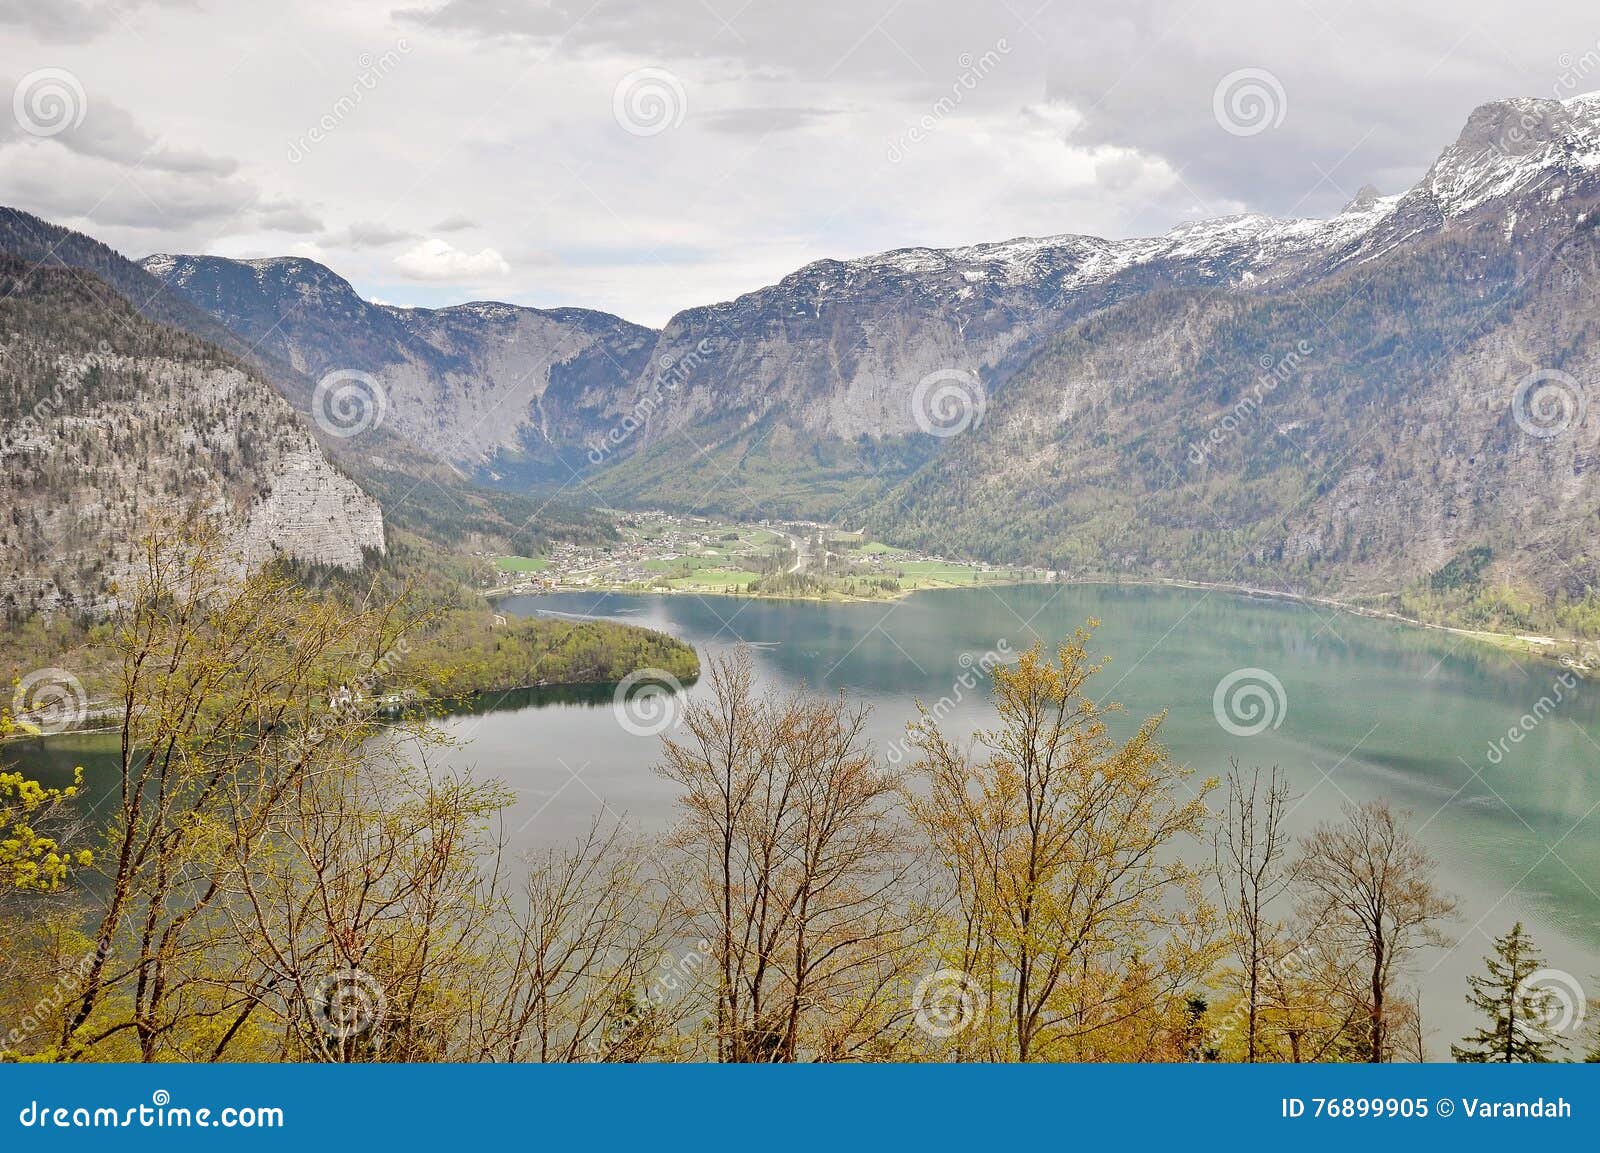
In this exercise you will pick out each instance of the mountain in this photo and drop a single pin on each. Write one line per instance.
(808, 382)
(107, 417)
(46, 245)
(1415, 409)
(805, 395)
(473, 384)
(419, 492)
(1322, 404)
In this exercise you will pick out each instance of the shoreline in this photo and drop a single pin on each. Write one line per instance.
(1518, 644)
(389, 709)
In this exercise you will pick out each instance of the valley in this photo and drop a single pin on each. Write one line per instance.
(659, 551)
(1179, 641)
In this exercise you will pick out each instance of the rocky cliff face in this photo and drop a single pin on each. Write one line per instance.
(312, 513)
(108, 420)
(1168, 404)
(1422, 392)
(840, 345)
(481, 384)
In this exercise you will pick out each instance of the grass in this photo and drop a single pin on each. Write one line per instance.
(944, 572)
(716, 578)
(521, 563)
(713, 564)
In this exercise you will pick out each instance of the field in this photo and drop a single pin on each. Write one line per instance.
(664, 552)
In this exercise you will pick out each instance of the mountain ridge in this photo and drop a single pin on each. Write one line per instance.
(111, 421)
(801, 398)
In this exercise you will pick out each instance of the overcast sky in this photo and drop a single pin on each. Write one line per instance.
(642, 156)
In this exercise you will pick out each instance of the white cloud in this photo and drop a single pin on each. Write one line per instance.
(435, 259)
(365, 234)
(499, 127)
(112, 133)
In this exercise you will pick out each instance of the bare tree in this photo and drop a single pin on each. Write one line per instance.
(793, 865)
(367, 918)
(1251, 849)
(222, 680)
(1369, 887)
(594, 966)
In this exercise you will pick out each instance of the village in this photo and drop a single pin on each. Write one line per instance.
(668, 552)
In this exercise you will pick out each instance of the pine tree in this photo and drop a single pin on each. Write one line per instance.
(1514, 1011)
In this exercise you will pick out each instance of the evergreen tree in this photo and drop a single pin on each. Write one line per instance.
(1514, 1011)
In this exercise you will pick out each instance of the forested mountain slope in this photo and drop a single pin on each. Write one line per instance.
(109, 420)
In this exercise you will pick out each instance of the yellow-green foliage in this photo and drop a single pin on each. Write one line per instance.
(29, 859)
(468, 652)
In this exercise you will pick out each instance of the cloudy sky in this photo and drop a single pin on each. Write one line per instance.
(642, 156)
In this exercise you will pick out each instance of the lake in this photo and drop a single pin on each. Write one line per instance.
(1502, 787)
